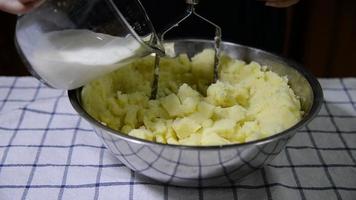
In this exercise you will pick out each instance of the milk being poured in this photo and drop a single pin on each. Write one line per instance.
(68, 59)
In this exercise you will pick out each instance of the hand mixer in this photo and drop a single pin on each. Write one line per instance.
(190, 10)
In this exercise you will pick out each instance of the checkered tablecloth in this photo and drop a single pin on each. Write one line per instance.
(48, 152)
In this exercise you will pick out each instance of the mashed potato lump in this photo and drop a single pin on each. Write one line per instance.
(248, 102)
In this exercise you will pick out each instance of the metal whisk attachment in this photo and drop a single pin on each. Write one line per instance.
(189, 11)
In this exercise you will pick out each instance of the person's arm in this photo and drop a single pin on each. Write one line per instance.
(18, 6)
(281, 3)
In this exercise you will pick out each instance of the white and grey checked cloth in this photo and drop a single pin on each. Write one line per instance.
(48, 152)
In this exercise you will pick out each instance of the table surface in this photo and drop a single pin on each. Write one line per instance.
(48, 152)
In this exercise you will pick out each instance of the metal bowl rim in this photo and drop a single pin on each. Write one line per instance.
(317, 102)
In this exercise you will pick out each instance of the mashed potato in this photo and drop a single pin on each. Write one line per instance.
(247, 103)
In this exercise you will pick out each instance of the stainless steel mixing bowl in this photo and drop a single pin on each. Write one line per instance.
(210, 165)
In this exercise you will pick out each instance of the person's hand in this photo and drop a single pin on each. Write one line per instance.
(281, 3)
(18, 6)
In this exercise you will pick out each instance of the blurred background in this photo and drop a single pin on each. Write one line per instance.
(319, 34)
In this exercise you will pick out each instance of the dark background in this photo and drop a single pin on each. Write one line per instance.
(320, 34)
